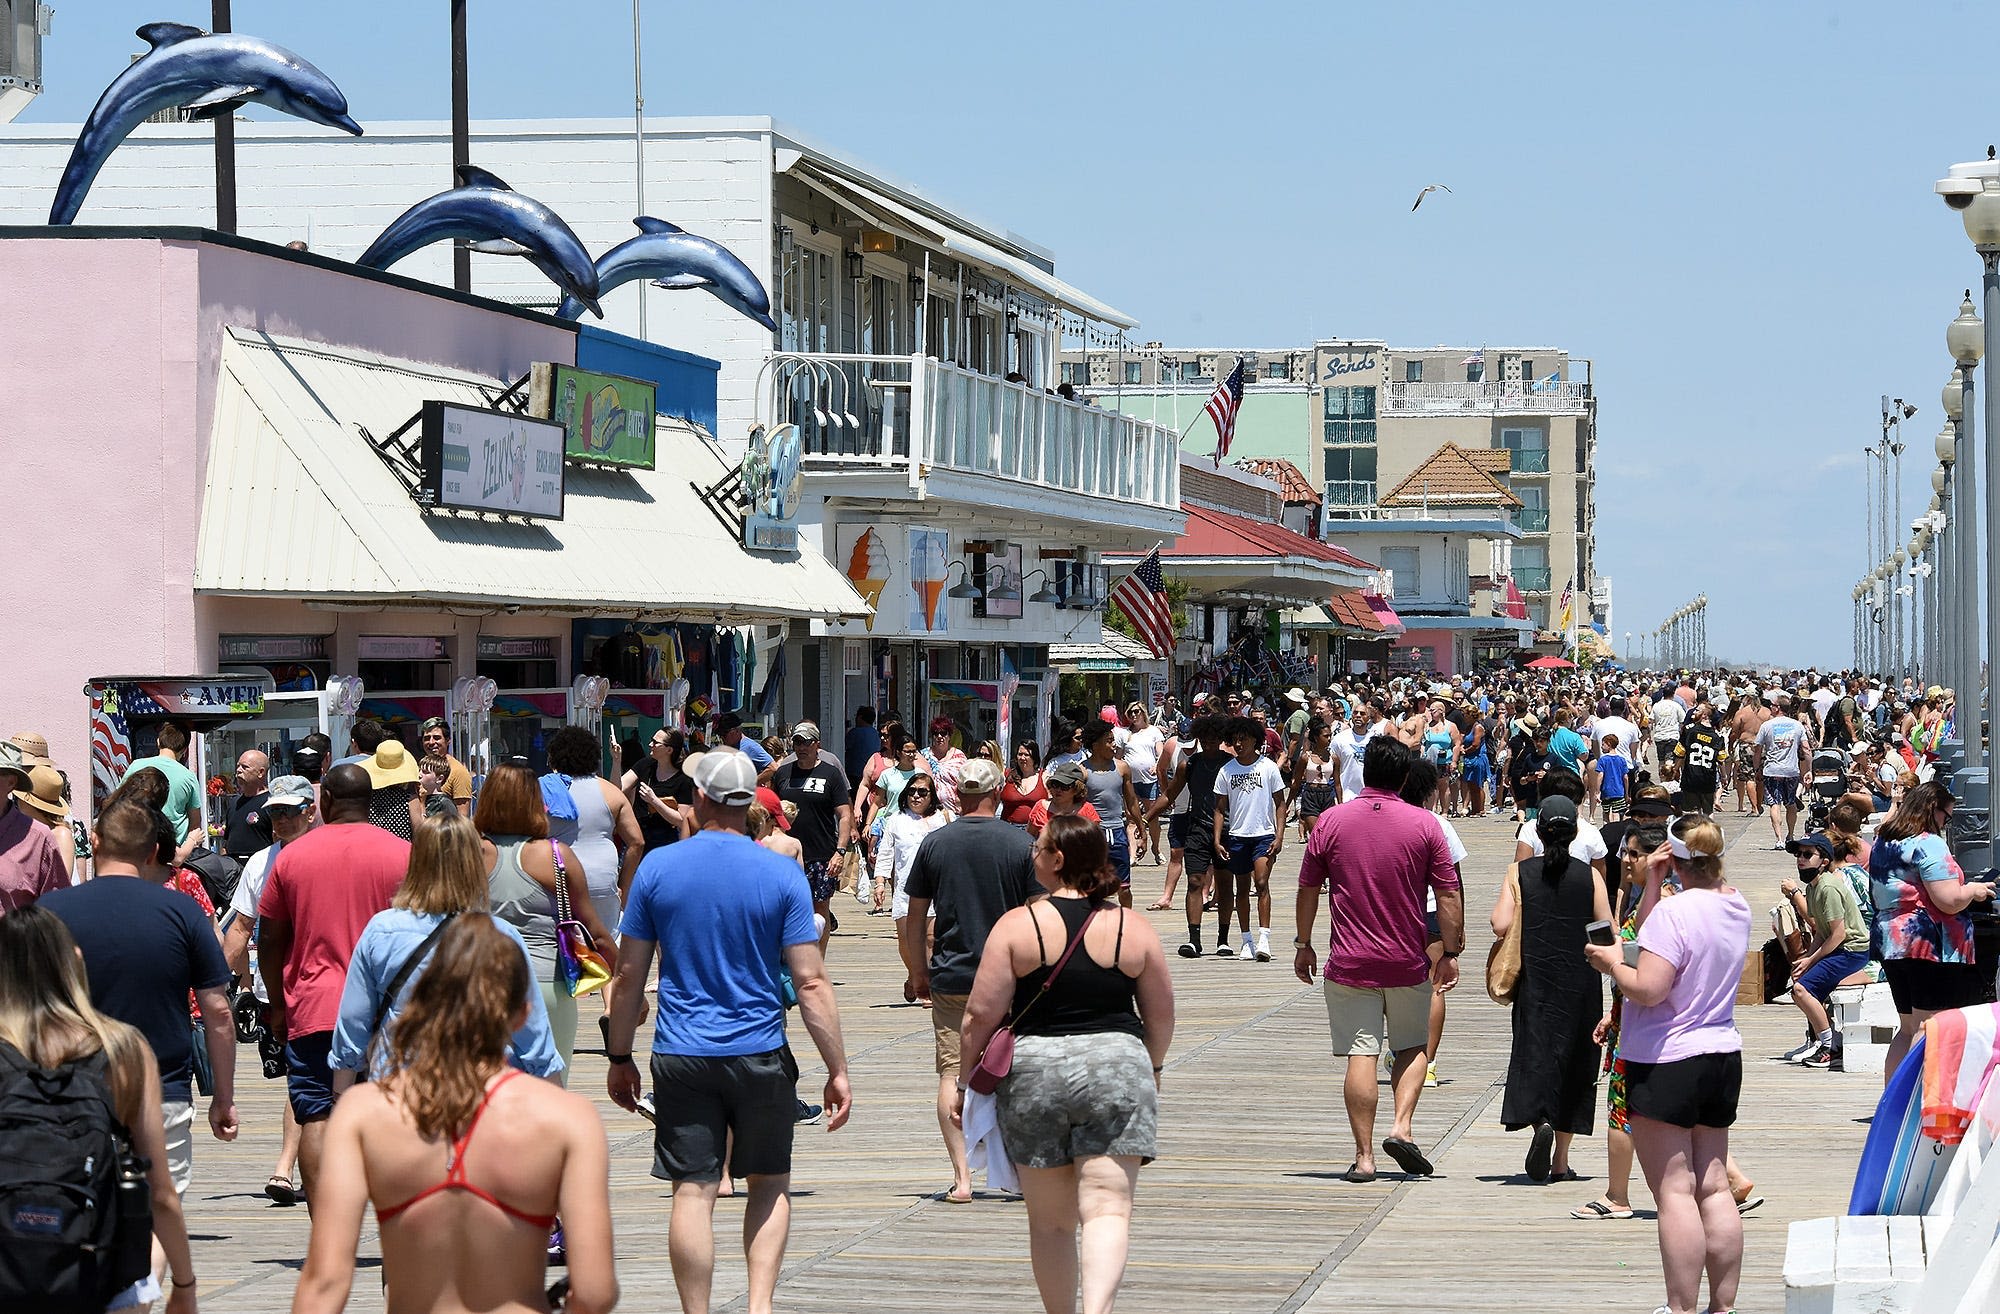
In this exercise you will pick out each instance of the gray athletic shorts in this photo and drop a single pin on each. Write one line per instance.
(1069, 1097)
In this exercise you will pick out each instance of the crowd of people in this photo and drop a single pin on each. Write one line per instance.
(424, 941)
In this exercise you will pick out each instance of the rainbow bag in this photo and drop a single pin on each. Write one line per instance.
(579, 966)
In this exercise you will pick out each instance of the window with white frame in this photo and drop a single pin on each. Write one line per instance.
(1405, 565)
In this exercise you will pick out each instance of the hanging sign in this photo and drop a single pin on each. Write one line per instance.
(606, 419)
(479, 460)
(773, 486)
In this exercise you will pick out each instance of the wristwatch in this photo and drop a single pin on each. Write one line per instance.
(616, 1059)
(1301, 944)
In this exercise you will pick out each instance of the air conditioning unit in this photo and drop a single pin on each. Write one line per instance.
(23, 24)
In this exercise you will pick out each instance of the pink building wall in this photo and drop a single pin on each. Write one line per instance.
(1438, 640)
(106, 403)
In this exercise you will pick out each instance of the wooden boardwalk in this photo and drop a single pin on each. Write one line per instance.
(1244, 1211)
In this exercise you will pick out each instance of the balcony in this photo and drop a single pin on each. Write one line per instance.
(1532, 579)
(1560, 398)
(1532, 520)
(924, 416)
(1528, 460)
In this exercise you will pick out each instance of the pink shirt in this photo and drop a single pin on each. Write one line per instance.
(30, 866)
(1377, 856)
(327, 884)
(1705, 934)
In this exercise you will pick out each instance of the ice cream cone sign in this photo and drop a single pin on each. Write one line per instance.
(868, 570)
(927, 576)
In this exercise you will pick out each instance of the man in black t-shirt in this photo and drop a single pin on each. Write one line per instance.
(1701, 743)
(824, 827)
(145, 946)
(974, 870)
(247, 831)
(1190, 834)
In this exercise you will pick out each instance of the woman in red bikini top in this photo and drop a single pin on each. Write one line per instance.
(466, 1160)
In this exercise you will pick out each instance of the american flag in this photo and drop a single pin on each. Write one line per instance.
(1142, 596)
(1222, 406)
(110, 744)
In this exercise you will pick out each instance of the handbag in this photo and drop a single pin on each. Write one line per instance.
(1503, 962)
(579, 966)
(997, 1060)
(850, 870)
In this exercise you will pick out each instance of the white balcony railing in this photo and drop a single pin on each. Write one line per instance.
(923, 415)
(1558, 398)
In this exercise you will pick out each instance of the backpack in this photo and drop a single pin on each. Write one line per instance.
(218, 873)
(76, 1211)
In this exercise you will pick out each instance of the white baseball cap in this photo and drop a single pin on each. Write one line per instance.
(726, 777)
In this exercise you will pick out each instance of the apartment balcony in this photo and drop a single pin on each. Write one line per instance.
(921, 418)
(1559, 398)
(1532, 579)
(1532, 520)
(1528, 460)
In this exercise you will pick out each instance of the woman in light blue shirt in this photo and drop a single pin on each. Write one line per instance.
(447, 877)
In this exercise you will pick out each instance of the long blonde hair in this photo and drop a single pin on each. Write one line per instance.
(453, 1032)
(46, 1013)
(447, 869)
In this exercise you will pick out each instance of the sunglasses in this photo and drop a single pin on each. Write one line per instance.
(283, 812)
(916, 793)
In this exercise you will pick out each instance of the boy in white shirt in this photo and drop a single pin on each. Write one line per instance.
(1248, 836)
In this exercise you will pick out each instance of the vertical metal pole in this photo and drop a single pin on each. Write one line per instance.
(1991, 287)
(639, 142)
(225, 140)
(1965, 476)
(1906, 638)
(461, 136)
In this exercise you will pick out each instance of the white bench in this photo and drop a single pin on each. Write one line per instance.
(1865, 1017)
(1943, 1262)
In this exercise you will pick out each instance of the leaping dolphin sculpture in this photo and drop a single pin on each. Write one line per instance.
(484, 210)
(188, 68)
(677, 260)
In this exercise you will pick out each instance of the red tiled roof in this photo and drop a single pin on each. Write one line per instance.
(1211, 533)
(1454, 475)
(1349, 608)
(1293, 486)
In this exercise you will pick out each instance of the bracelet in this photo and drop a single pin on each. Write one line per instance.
(1157, 1068)
(183, 1286)
(616, 1059)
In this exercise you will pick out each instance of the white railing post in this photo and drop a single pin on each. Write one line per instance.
(920, 419)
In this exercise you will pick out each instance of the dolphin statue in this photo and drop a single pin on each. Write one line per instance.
(677, 260)
(488, 213)
(188, 68)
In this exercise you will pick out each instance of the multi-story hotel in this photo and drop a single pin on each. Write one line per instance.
(1358, 416)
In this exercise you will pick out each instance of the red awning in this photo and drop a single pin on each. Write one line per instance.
(1347, 607)
(1517, 606)
(1384, 612)
(1212, 533)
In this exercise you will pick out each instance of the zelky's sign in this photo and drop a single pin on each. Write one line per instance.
(480, 460)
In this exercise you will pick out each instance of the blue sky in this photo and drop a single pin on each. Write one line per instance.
(1727, 207)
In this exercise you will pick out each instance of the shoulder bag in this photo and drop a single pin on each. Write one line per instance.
(579, 966)
(997, 1060)
(1503, 962)
(402, 976)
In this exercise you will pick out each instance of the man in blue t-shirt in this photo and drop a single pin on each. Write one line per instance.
(145, 946)
(729, 729)
(729, 918)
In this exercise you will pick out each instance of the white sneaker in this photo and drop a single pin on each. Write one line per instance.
(1803, 1052)
(1263, 946)
(1247, 952)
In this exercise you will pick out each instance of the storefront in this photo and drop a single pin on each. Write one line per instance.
(361, 504)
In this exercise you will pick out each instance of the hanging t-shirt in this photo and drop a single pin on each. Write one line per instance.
(1252, 792)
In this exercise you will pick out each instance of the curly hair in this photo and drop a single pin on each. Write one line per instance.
(453, 1032)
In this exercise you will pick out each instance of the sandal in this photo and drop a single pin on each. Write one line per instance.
(948, 1197)
(1598, 1211)
(1159, 905)
(1355, 1175)
(281, 1191)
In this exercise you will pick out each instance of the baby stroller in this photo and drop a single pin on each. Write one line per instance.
(1829, 782)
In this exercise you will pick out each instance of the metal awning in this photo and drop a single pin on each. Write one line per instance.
(297, 504)
(907, 221)
(1116, 655)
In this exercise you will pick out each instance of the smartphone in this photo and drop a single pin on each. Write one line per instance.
(1601, 933)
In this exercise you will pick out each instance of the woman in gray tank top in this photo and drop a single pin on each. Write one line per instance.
(521, 880)
(1108, 783)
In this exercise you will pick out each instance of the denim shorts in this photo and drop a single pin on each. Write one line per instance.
(1145, 790)
(1121, 854)
(309, 1076)
(1245, 850)
(1820, 979)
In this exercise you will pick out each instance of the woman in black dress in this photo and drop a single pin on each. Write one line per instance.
(1552, 1069)
(659, 789)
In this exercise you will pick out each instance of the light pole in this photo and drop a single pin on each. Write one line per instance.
(1966, 340)
(1949, 618)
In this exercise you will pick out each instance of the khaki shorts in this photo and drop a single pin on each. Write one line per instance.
(179, 1120)
(947, 1016)
(1354, 1016)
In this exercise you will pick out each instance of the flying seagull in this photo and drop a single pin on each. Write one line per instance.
(1434, 187)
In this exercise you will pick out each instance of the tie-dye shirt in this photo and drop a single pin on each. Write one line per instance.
(1907, 924)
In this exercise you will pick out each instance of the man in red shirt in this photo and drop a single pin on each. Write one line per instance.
(1375, 856)
(321, 892)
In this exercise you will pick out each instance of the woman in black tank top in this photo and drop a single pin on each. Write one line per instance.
(1084, 984)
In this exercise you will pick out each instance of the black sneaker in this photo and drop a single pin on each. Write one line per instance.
(1822, 1057)
(1191, 950)
(804, 1112)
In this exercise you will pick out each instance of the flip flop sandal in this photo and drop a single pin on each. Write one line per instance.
(1158, 905)
(1355, 1175)
(1408, 1157)
(950, 1199)
(281, 1190)
(1598, 1211)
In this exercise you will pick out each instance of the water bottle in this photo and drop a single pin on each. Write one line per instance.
(132, 1248)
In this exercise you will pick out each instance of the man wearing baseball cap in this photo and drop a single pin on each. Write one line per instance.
(824, 826)
(970, 872)
(30, 866)
(713, 906)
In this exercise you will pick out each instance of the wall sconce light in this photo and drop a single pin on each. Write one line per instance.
(916, 285)
(971, 303)
(1013, 322)
(1046, 593)
(851, 260)
(785, 240)
(965, 588)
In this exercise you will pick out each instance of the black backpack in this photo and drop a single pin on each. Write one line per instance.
(218, 873)
(76, 1211)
